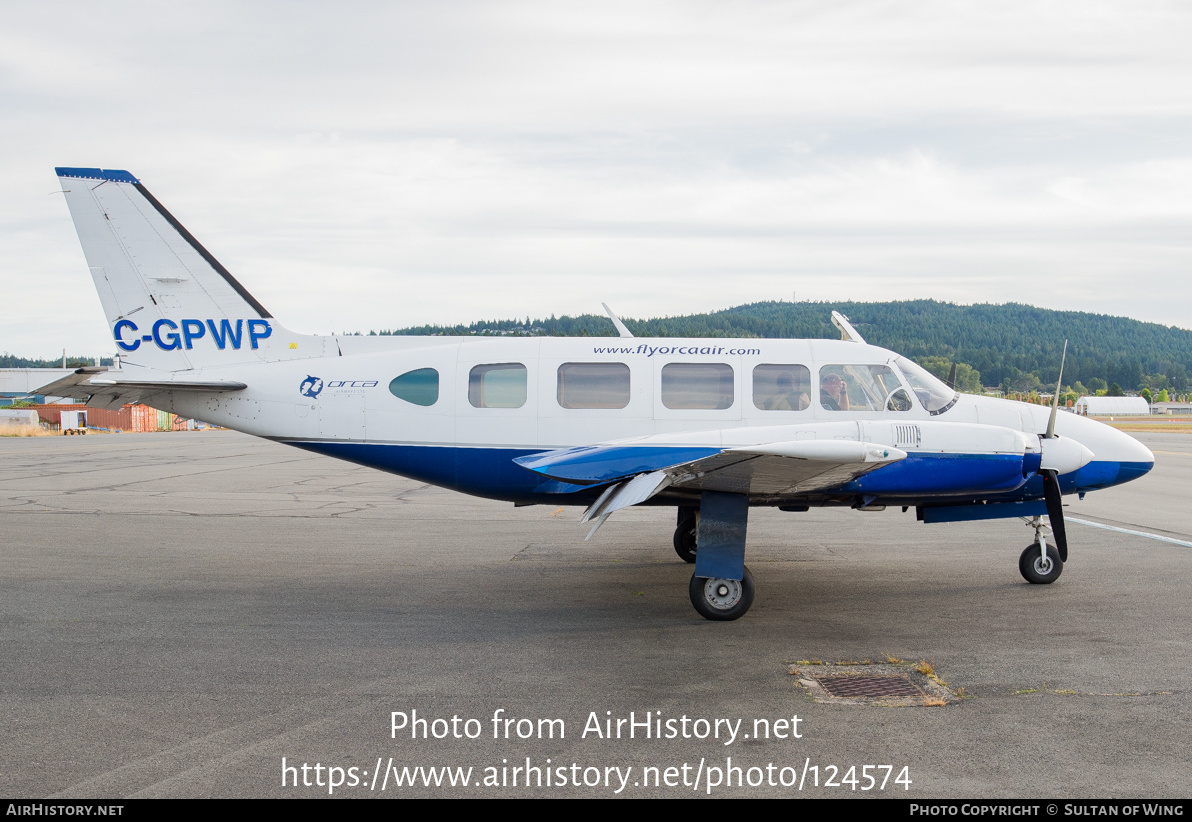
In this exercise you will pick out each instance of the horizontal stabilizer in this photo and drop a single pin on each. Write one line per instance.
(109, 388)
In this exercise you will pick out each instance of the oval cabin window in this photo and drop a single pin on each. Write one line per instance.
(419, 387)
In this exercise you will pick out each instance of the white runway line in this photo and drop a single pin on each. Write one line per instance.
(1128, 531)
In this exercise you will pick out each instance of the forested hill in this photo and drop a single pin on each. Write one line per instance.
(12, 361)
(1006, 343)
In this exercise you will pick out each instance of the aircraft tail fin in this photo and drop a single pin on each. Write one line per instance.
(170, 304)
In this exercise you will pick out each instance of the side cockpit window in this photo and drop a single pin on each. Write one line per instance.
(593, 385)
(862, 388)
(420, 386)
(500, 385)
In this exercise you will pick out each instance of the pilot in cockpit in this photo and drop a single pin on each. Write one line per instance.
(833, 394)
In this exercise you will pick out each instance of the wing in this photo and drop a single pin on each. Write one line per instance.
(104, 388)
(635, 472)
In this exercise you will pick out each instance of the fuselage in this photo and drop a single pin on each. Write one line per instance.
(456, 411)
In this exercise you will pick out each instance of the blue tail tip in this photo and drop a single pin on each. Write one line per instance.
(111, 174)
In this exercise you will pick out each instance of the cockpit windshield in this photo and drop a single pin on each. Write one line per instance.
(933, 394)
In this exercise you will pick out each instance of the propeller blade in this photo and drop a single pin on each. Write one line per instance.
(1055, 402)
(952, 377)
(1055, 511)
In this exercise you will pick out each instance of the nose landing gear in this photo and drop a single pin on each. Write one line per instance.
(1040, 563)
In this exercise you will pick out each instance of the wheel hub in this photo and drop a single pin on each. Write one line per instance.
(722, 594)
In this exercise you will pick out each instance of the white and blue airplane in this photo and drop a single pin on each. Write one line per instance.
(710, 427)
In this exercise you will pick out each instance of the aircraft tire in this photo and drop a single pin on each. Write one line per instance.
(685, 539)
(1030, 565)
(721, 599)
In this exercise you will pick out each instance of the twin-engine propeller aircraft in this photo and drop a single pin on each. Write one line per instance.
(710, 427)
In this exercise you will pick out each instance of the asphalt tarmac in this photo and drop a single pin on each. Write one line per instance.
(181, 612)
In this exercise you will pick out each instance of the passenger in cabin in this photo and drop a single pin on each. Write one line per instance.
(833, 395)
(788, 397)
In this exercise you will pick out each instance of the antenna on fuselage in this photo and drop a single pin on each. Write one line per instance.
(622, 331)
(847, 332)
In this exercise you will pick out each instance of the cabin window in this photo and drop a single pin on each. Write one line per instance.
(420, 387)
(697, 385)
(862, 388)
(500, 385)
(593, 385)
(781, 387)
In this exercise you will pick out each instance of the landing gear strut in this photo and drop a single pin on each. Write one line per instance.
(721, 587)
(1040, 563)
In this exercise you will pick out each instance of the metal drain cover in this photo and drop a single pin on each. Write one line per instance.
(868, 686)
(895, 684)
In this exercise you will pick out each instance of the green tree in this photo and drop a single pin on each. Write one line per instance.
(968, 379)
(1115, 390)
(1146, 395)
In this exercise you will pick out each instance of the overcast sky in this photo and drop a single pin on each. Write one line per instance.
(366, 165)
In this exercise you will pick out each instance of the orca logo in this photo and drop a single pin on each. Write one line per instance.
(311, 387)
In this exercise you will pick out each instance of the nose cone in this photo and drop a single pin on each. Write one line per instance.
(1120, 458)
(1132, 471)
(1136, 459)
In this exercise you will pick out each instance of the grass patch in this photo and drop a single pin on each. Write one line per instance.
(24, 431)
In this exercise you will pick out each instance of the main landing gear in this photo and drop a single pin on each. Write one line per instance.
(685, 533)
(713, 537)
(722, 599)
(1040, 563)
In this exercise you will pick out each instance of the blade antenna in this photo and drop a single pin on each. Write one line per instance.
(621, 329)
(1055, 402)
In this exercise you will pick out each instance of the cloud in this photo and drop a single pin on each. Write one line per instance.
(374, 165)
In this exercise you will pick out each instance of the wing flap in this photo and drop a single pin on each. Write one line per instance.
(623, 495)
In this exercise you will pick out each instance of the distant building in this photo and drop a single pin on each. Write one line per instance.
(1181, 408)
(1113, 407)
